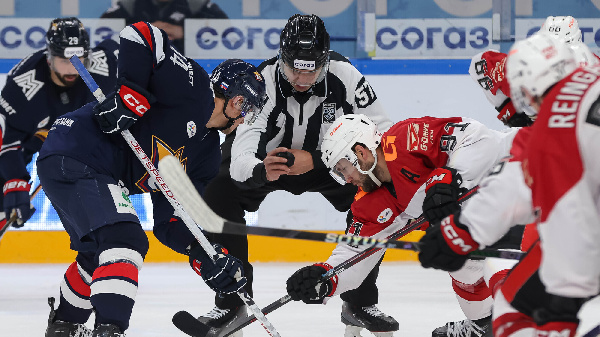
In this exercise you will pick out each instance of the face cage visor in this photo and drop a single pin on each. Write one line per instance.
(249, 112)
(303, 76)
(68, 52)
(343, 169)
(521, 103)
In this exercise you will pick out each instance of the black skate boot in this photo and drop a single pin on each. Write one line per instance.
(371, 318)
(221, 321)
(466, 328)
(107, 330)
(58, 328)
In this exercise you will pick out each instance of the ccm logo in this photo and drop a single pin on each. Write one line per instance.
(139, 108)
(136, 102)
(450, 233)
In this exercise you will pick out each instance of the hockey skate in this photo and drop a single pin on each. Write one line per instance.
(107, 330)
(466, 328)
(370, 318)
(58, 328)
(221, 321)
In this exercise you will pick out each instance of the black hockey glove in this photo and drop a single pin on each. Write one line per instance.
(16, 202)
(225, 275)
(446, 245)
(123, 107)
(441, 194)
(305, 284)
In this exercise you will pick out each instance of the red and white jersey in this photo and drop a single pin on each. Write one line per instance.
(413, 148)
(376, 214)
(502, 200)
(562, 167)
(487, 69)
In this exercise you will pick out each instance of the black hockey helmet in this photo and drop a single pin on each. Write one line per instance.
(235, 77)
(67, 37)
(304, 39)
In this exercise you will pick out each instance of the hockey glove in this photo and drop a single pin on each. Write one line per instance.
(558, 317)
(16, 202)
(441, 194)
(224, 275)
(306, 285)
(447, 245)
(123, 107)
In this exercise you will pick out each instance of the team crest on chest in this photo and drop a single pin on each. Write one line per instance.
(160, 149)
(328, 112)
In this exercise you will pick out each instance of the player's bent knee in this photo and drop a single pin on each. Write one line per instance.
(124, 235)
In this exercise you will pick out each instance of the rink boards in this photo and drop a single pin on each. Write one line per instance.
(405, 88)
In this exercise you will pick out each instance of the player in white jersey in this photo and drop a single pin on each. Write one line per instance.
(488, 69)
(543, 296)
(461, 149)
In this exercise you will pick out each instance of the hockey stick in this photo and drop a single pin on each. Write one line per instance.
(14, 217)
(331, 273)
(179, 209)
(179, 182)
(189, 197)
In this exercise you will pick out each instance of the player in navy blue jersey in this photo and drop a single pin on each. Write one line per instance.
(88, 173)
(41, 87)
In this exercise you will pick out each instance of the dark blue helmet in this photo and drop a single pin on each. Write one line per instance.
(67, 37)
(238, 78)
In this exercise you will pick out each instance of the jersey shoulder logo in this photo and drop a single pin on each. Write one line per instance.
(98, 63)
(384, 216)
(191, 129)
(28, 84)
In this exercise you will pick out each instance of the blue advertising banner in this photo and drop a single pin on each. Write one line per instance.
(20, 37)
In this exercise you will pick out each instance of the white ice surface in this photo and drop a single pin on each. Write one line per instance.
(420, 299)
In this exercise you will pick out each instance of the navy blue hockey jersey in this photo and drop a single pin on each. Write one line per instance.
(30, 102)
(175, 123)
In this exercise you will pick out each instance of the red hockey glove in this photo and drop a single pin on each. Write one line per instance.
(225, 275)
(441, 194)
(307, 286)
(16, 202)
(446, 246)
(122, 108)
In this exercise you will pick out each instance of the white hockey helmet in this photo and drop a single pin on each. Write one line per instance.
(583, 55)
(535, 64)
(565, 27)
(340, 138)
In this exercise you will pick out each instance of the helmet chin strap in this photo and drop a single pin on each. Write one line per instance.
(369, 172)
(230, 120)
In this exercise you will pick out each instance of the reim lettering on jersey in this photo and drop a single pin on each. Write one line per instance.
(567, 101)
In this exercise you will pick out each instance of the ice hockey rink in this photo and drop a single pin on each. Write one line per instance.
(420, 299)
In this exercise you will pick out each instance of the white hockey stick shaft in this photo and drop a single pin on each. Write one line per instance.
(179, 209)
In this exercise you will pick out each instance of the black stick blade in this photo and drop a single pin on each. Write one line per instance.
(187, 323)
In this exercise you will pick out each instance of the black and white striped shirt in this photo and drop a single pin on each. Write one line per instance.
(298, 120)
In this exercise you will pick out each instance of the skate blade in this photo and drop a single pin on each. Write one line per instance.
(383, 334)
(352, 331)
